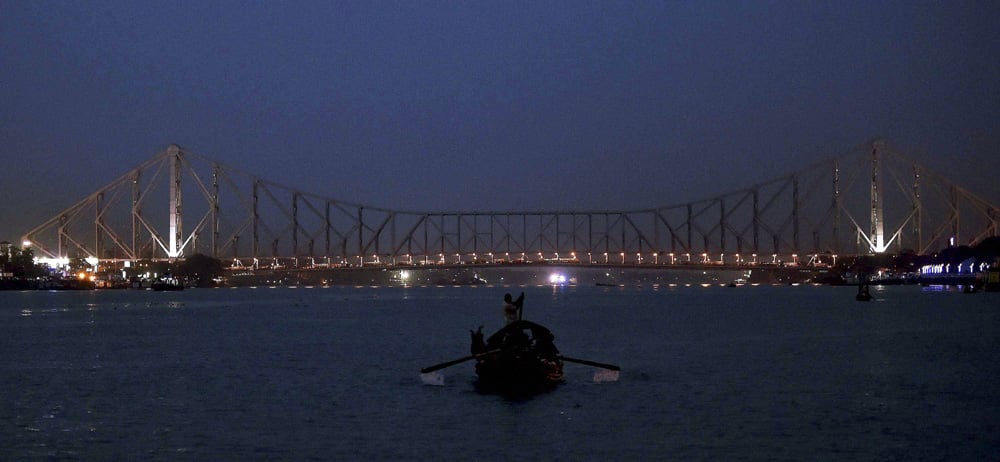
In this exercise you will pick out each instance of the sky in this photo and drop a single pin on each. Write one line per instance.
(475, 105)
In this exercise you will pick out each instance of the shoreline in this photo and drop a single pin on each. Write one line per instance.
(556, 275)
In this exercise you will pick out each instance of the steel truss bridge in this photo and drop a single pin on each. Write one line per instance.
(871, 199)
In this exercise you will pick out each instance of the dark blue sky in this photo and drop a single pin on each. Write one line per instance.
(490, 105)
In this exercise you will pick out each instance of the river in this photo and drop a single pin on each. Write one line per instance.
(708, 373)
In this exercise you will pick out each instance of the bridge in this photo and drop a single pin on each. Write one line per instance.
(869, 200)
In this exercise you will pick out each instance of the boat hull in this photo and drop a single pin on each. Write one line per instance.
(510, 374)
(521, 360)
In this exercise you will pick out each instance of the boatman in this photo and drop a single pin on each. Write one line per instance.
(512, 308)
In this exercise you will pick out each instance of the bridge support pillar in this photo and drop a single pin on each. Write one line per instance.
(176, 230)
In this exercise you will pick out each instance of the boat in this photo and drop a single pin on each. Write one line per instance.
(739, 282)
(167, 284)
(519, 359)
(864, 294)
(992, 281)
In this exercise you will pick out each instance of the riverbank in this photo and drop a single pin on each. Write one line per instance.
(514, 275)
(582, 275)
(46, 284)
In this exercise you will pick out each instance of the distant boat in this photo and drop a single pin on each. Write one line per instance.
(992, 281)
(167, 284)
(863, 294)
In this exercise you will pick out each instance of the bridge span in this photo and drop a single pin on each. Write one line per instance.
(869, 200)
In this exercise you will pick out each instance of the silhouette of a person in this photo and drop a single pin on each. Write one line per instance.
(512, 308)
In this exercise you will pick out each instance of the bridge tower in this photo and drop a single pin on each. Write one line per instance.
(176, 201)
(876, 239)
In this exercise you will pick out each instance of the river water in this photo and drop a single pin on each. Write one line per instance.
(708, 373)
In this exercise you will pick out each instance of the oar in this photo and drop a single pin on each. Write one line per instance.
(456, 361)
(611, 367)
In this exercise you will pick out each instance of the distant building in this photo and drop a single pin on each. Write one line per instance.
(5, 250)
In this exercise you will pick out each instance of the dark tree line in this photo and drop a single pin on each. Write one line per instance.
(199, 269)
(21, 264)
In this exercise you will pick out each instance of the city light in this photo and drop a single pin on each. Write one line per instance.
(60, 262)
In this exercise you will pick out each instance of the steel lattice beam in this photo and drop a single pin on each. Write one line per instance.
(901, 205)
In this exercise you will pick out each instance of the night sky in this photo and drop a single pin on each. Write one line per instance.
(469, 105)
